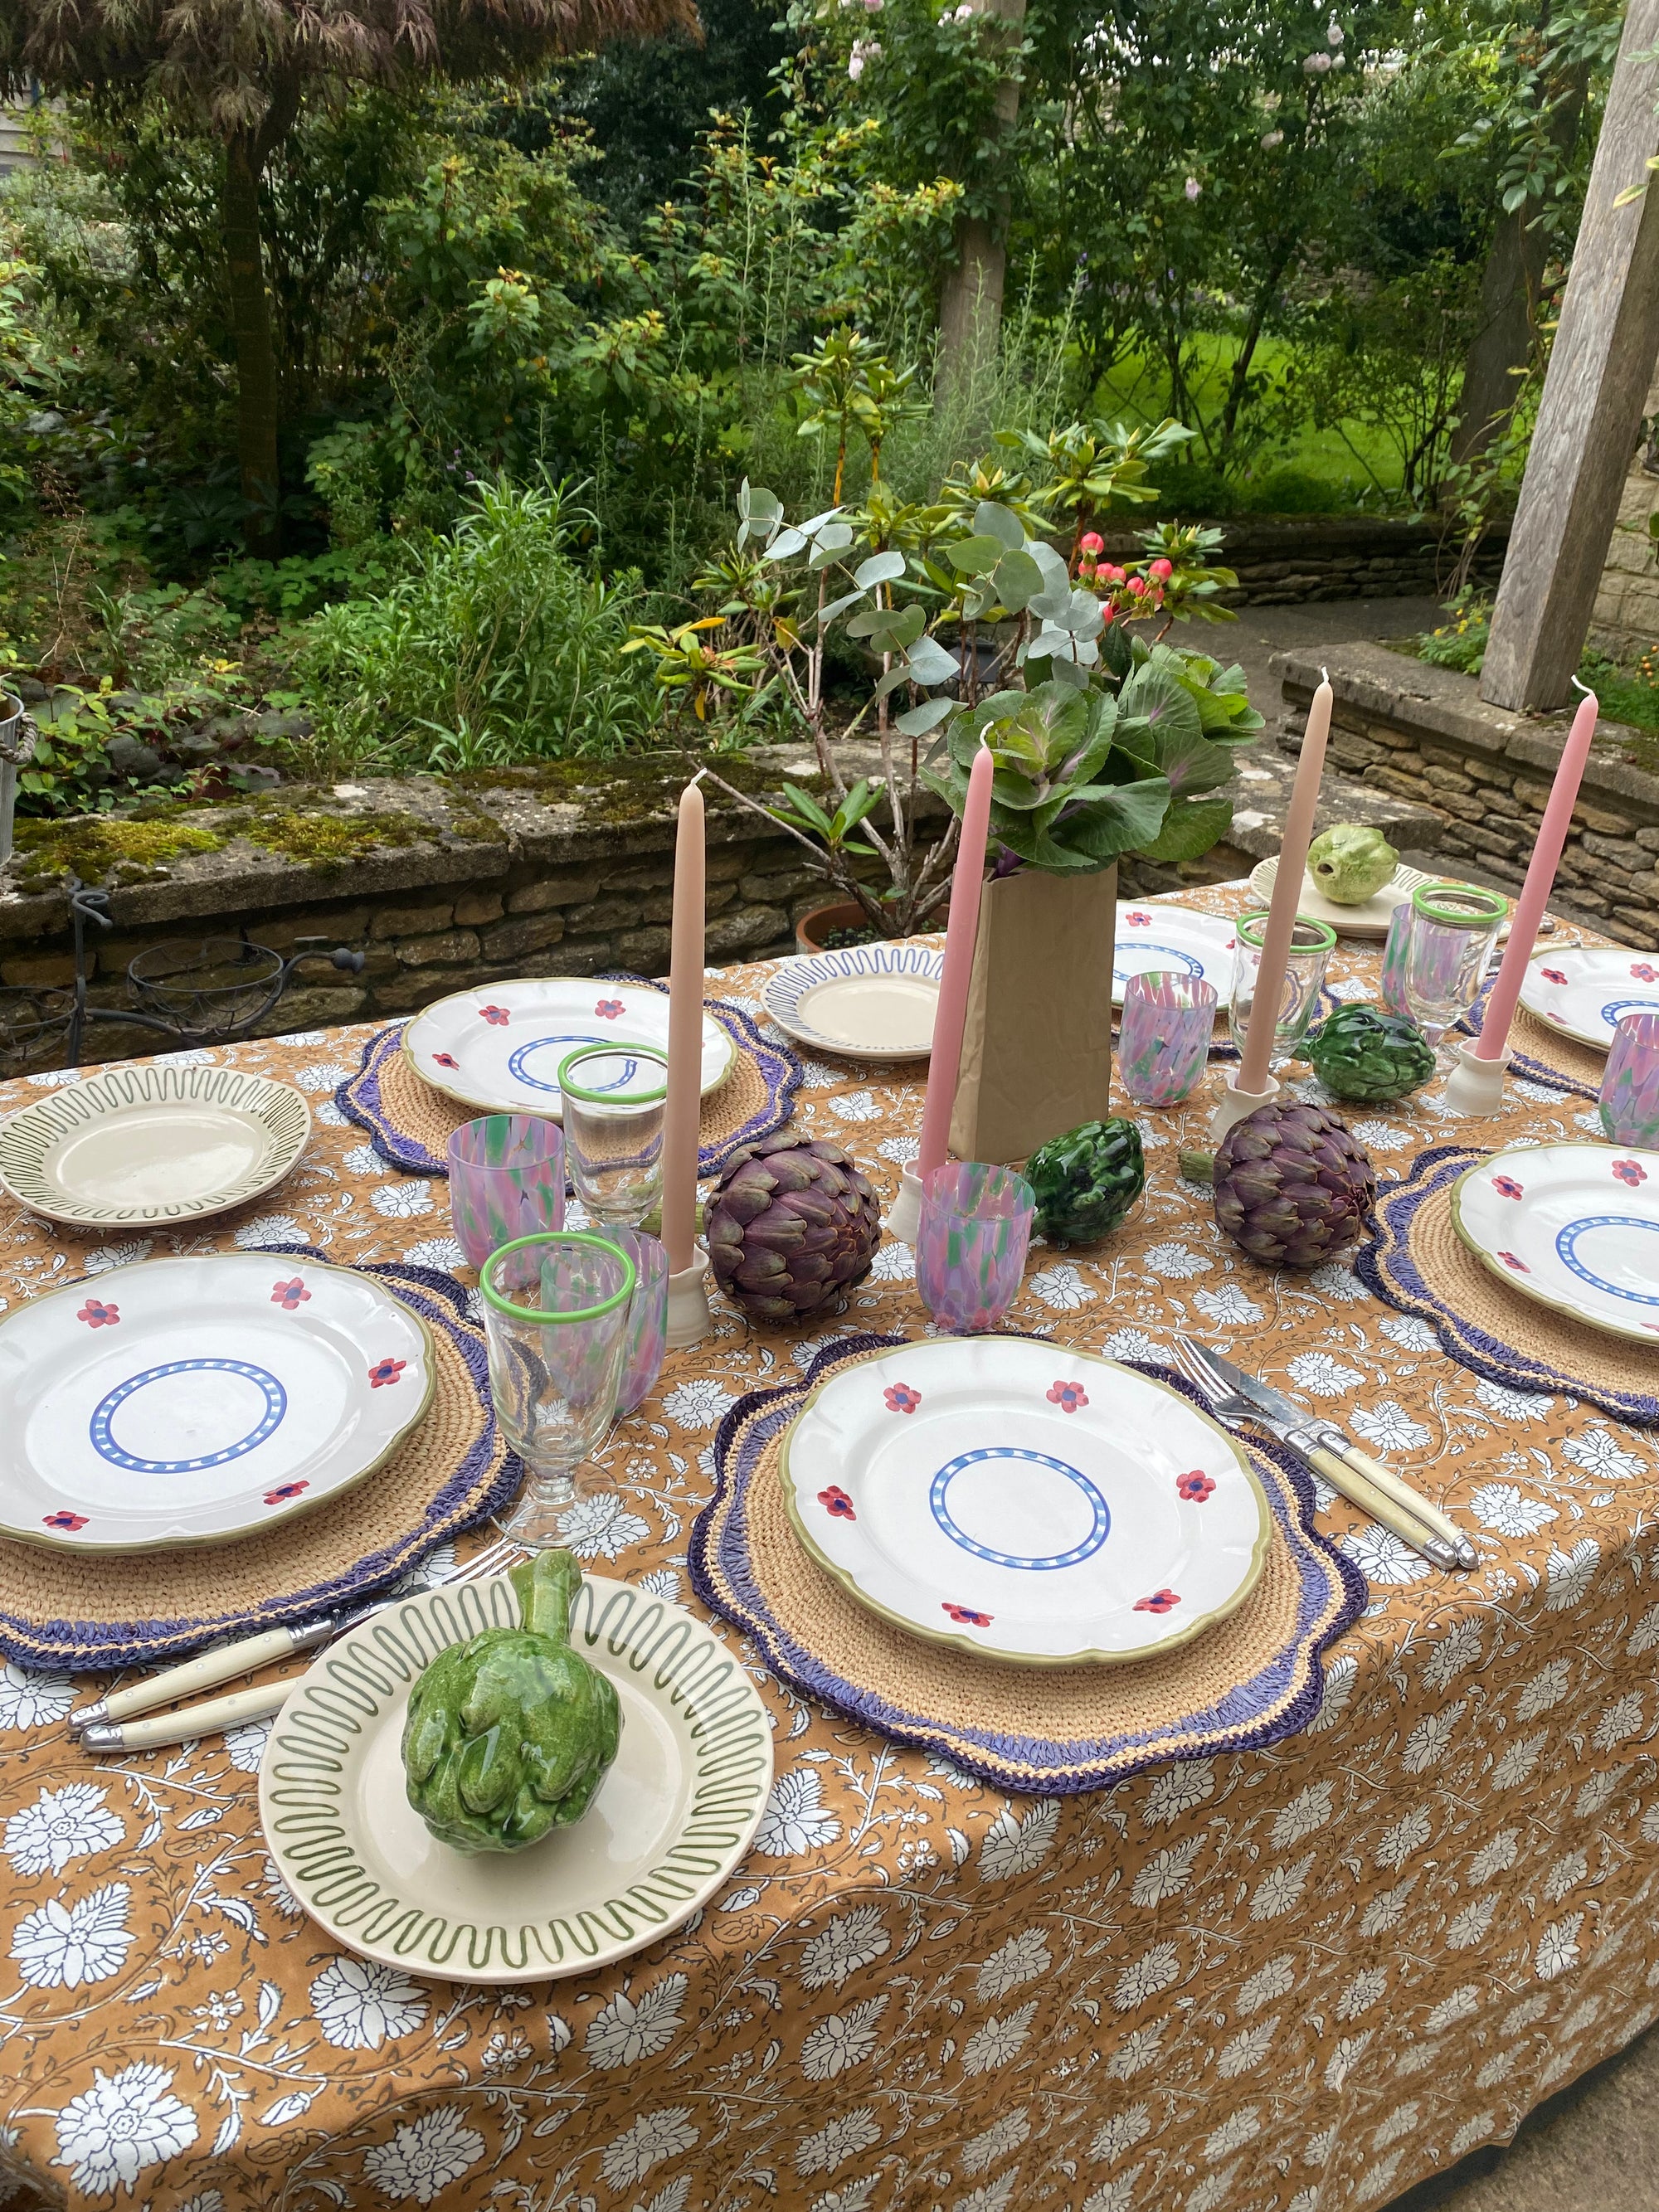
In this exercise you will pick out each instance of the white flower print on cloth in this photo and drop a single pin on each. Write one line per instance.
(1411, 1332)
(1276, 1979)
(1279, 1888)
(1518, 1761)
(1117, 2195)
(894, 1262)
(856, 1106)
(1246, 2049)
(1545, 1689)
(1340, 1674)
(1153, 1972)
(111, 2132)
(1596, 1451)
(1320, 1376)
(1645, 1634)
(1022, 1959)
(1210, 2196)
(995, 2042)
(1177, 1263)
(119, 1256)
(441, 1254)
(1622, 1719)
(1228, 1307)
(361, 2005)
(66, 1947)
(1399, 1841)
(1565, 1876)
(1425, 1746)
(403, 1201)
(322, 1075)
(1469, 1927)
(1388, 1426)
(1140, 2048)
(424, 2156)
(364, 1160)
(269, 1230)
(1558, 1948)
(661, 1582)
(795, 1820)
(1133, 1343)
(1383, 1557)
(1178, 1789)
(246, 1745)
(1386, 1912)
(1350, 2050)
(329, 1114)
(1121, 2132)
(1518, 1406)
(845, 1942)
(628, 2029)
(601, 1527)
(699, 1404)
(1507, 1511)
(843, 2041)
(1570, 1574)
(1336, 1281)
(653, 2137)
(1061, 1289)
(1002, 2136)
(1452, 1655)
(1308, 1809)
(72, 1823)
(845, 2136)
(1236, 2129)
(1368, 1987)
(1166, 1874)
(900, 1149)
(1015, 1846)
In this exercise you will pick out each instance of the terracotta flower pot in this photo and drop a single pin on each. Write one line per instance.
(813, 927)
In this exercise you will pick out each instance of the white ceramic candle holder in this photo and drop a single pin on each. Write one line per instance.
(1234, 1104)
(1475, 1086)
(689, 1317)
(904, 1215)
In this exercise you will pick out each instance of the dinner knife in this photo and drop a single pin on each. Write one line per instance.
(186, 1723)
(1328, 1437)
(222, 1664)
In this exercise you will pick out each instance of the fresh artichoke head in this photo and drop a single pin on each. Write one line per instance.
(1351, 864)
(509, 1734)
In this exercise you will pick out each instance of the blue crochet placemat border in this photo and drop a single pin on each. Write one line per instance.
(359, 1098)
(1384, 1264)
(81, 1647)
(1333, 1594)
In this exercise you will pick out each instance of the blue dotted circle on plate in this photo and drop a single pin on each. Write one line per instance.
(1188, 961)
(102, 1434)
(566, 1045)
(1091, 1543)
(1615, 1010)
(1566, 1242)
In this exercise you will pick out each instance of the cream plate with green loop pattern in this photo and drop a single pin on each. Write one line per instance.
(673, 1818)
(137, 1147)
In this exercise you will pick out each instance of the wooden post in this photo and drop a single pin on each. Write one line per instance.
(1591, 410)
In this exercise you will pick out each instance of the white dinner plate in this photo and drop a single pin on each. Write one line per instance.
(1174, 938)
(1024, 1501)
(1583, 991)
(1574, 1226)
(670, 1820)
(192, 1401)
(498, 1050)
(874, 1001)
(134, 1148)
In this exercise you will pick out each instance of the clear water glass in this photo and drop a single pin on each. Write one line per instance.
(1448, 947)
(506, 1180)
(971, 1246)
(1393, 961)
(647, 1315)
(614, 1097)
(1163, 1038)
(1312, 944)
(557, 1309)
(1630, 1089)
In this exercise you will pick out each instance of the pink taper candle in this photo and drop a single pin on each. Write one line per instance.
(963, 929)
(1541, 882)
(1252, 1060)
(682, 1114)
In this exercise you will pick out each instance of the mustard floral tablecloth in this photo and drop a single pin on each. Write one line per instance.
(1290, 1981)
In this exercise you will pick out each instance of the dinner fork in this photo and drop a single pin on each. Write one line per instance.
(110, 1729)
(1231, 1406)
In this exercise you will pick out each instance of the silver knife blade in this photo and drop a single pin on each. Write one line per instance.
(1264, 1395)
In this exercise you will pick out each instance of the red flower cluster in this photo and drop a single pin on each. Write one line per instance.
(835, 1500)
(1159, 1601)
(966, 1615)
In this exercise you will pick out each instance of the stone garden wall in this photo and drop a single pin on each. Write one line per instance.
(1422, 736)
(1296, 558)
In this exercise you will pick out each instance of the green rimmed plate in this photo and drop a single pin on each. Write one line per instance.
(142, 1147)
(1573, 1227)
(673, 1818)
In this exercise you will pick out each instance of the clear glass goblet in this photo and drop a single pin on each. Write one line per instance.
(1312, 944)
(556, 1312)
(1447, 950)
(614, 1097)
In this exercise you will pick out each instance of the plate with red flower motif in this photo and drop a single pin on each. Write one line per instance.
(1584, 991)
(195, 1400)
(1177, 939)
(498, 1050)
(1573, 1226)
(1024, 1501)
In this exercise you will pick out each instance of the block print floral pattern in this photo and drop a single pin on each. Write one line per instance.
(1168, 1995)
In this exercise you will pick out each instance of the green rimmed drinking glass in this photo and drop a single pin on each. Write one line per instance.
(1448, 948)
(1312, 944)
(555, 1309)
(614, 1097)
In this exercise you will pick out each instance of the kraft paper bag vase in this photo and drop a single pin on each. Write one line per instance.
(1037, 1049)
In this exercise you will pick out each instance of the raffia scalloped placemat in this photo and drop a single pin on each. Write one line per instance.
(1415, 1260)
(410, 1122)
(1254, 1677)
(79, 1612)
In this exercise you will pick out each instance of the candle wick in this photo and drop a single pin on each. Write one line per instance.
(1584, 687)
(698, 777)
(1324, 675)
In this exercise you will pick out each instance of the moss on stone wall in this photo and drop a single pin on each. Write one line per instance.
(106, 848)
(320, 839)
(614, 795)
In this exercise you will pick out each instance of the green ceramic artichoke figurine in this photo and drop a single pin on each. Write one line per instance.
(1087, 1181)
(1364, 1053)
(1351, 863)
(510, 1734)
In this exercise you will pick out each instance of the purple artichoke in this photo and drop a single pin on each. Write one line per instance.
(1291, 1186)
(791, 1227)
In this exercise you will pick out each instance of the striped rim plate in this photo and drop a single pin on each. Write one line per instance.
(673, 1818)
(868, 1002)
(137, 1146)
